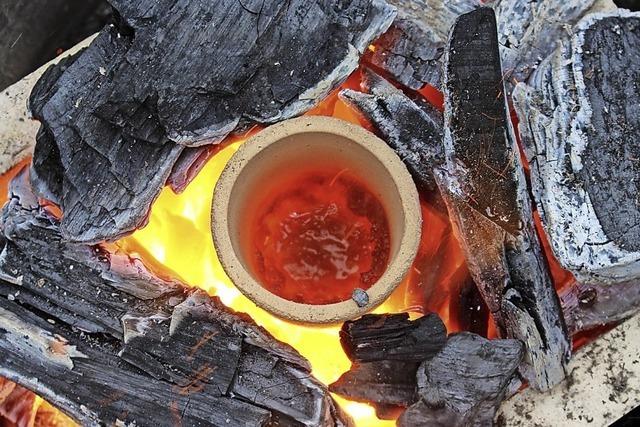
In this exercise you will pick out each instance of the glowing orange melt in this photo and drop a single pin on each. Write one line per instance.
(177, 242)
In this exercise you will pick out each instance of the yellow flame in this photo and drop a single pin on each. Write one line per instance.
(178, 241)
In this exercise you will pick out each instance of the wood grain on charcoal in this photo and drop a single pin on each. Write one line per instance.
(411, 50)
(412, 128)
(464, 384)
(386, 351)
(456, 381)
(579, 125)
(17, 131)
(394, 337)
(99, 336)
(182, 74)
(485, 190)
(530, 30)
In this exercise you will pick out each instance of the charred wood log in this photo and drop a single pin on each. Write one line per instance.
(580, 125)
(484, 187)
(590, 306)
(181, 74)
(393, 337)
(465, 383)
(99, 336)
(413, 128)
(529, 31)
(411, 50)
(386, 351)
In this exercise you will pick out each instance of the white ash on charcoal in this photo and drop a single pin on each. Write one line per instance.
(116, 117)
(109, 343)
(398, 364)
(580, 124)
(413, 128)
(484, 187)
(464, 384)
(411, 50)
(529, 31)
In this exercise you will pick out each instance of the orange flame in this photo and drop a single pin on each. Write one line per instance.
(177, 242)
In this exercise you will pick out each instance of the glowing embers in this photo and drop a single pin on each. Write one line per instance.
(319, 235)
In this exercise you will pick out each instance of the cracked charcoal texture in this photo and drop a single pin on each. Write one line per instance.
(386, 350)
(529, 31)
(182, 74)
(392, 337)
(109, 342)
(412, 128)
(465, 383)
(411, 50)
(485, 191)
(581, 106)
(611, 168)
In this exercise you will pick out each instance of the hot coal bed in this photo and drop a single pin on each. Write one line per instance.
(529, 159)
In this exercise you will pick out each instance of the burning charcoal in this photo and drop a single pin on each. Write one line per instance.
(410, 51)
(384, 384)
(484, 187)
(392, 337)
(266, 380)
(412, 129)
(580, 124)
(181, 74)
(530, 30)
(112, 344)
(386, 351)
(465, 383)
(589, 306)
(6, 388)
(190, 162)
(469, 307)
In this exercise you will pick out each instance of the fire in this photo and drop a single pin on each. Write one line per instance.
(177, 242)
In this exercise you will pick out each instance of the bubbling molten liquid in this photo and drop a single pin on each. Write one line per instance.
(317, 236)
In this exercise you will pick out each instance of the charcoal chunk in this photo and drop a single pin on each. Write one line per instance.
(580, 123)
(485, 190)
(465, 383)
(392, 337)
(389, 383)
(412, 128)
(178, 74)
